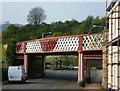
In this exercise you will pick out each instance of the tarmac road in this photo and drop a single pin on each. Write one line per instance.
(63, 79)
(96, 75)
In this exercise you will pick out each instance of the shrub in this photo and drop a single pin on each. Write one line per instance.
(4, 73)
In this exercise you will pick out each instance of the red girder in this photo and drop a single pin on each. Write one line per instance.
(56, 44)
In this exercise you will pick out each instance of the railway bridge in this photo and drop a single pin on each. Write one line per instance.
(87, 46)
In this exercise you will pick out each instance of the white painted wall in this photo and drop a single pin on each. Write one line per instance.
(113, 52)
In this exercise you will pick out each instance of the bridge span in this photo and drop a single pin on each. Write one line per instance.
(87, 46)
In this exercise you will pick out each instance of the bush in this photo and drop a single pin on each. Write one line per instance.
(4, 73)
(11, 53)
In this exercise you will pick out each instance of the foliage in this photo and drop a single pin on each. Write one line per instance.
(0, 51)
(87, 25)
(0, 38)
(64, 60)
(38, 65)
(4, 73)
(35, 66)
(36, 16)
(72, 27)
(10, 33)
(11, 53)
(3, 54)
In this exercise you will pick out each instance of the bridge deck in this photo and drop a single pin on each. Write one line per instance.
(87, 46)
(62, 44)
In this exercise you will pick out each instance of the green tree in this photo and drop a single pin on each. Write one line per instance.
(86, 26)
(98, 22)
(0, 38)
(36, 16)
(69, 27)
(3, 54)
(11, 53)
(9, 33)
(57, 34)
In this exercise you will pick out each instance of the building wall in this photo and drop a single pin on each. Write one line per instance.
(114, 51)
(114, 23)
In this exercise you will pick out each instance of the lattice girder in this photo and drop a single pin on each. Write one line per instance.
(58, 44)
(92, 42)
(70, 43)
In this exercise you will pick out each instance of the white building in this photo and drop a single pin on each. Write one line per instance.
(113, 45)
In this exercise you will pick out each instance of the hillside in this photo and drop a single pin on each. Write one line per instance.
(72, 27)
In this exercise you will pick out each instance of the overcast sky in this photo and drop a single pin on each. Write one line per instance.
(16, 12)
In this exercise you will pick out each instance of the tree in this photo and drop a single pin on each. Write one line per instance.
(3, 53)
(36, 16)
(9, 33)
(11, 53)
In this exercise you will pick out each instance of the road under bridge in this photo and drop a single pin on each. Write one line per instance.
(86, 46)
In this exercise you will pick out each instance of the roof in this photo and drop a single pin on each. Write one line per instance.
(111, 5)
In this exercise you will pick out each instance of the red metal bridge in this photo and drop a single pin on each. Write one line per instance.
(87, 47)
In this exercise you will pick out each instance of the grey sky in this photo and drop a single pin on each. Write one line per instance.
(16, 12)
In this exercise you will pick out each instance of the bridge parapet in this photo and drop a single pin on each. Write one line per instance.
(92, 42)
(61, 44)
(55, 44)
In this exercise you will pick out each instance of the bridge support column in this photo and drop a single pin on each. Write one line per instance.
(88, 80)
(81, 80)
(26, 64)
(43, 66)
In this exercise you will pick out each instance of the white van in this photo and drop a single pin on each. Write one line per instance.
(16, 73)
